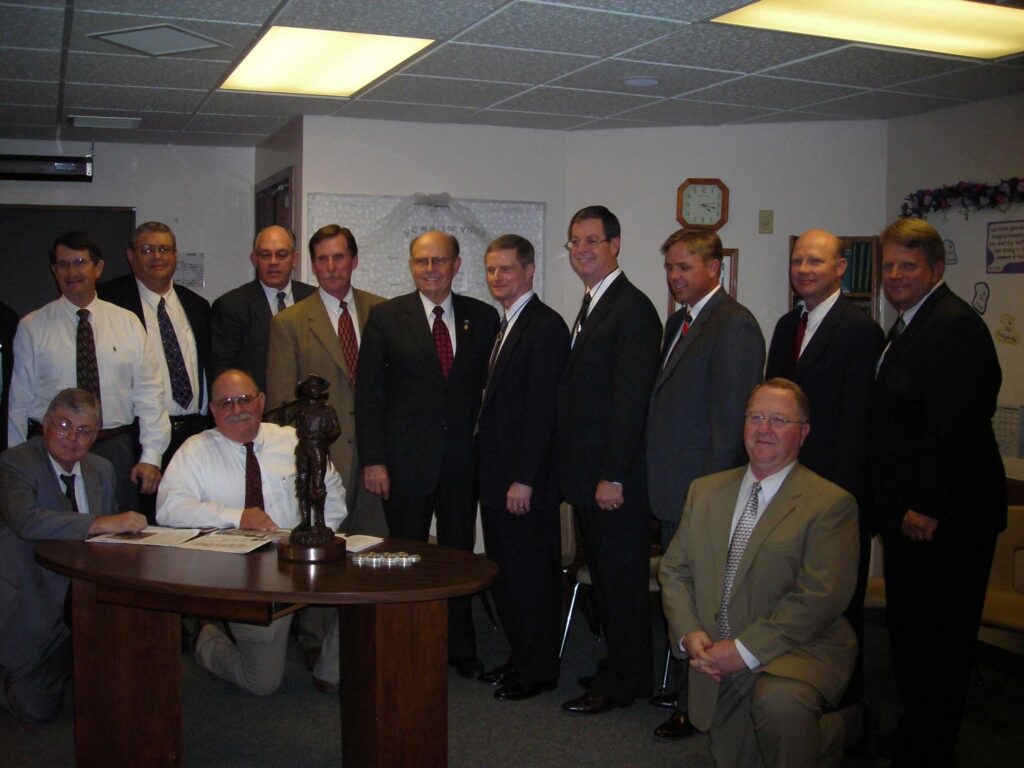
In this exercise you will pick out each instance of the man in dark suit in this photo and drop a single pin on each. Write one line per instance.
(8, 326)
(320, 335)
(177, 322)
(754, 585)
(240, 323)
(602, 404)
(50, 488)
(422, 365)
(712, 357)
(829, 347)
(519, 493)
(940, 487)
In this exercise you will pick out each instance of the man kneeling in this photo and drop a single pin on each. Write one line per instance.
(242, 474)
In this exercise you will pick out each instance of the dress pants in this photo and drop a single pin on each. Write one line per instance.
(527, 592)
(454, 503)
(34, 693)
(934, 594)
(254, 662)
(120, 451)
(679, 669)
(765, 720)
(617, 547)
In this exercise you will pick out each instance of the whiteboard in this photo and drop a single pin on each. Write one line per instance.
(385, 225)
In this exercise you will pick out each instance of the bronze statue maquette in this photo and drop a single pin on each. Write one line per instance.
(317, 426)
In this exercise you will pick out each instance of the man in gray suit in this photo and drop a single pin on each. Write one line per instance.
(712, 356)
(50, 488)
(754, 586)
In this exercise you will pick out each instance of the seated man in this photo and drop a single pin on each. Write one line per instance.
(754, 586)
(50, 488)
(242, 474)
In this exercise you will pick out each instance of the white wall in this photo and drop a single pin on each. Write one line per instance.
(975, 142)
(205, 194)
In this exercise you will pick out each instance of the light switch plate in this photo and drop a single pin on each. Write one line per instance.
(765, 222)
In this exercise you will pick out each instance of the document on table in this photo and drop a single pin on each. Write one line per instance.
(234, 540)
(357, 542)
(153, 535)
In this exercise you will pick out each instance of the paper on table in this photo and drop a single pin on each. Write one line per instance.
(358, 542)
(234, 540)
(153, 535)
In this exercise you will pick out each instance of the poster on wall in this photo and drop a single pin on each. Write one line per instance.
(1004, 247)
(385, 225)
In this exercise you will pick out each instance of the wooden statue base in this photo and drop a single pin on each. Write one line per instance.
(301, 553)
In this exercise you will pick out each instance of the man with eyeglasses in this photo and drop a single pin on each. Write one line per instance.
(712, 356)
(81, 340)
(601, 412)
(51, 487)
(240, 320)
(754, 586)
(422, 366)
(241, 474)
(177, 322)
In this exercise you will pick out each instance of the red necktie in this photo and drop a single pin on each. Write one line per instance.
(798, 341)
(442, 343)
(253, 479)
(686, 329)
(349, 347)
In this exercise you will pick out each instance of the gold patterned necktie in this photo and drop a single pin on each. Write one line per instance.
(86, 369)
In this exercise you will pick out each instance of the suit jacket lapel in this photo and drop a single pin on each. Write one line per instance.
(920, 318)
(93, 490)
(420, 334)
(782, 504)
(691, 336)
(509, 347)
(320, 326)
(720, 526)
(259, 304)
(597, 314)
(819, 341)
(362, 311)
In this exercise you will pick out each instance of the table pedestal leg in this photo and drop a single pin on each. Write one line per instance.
(394, 683)
(127, 681)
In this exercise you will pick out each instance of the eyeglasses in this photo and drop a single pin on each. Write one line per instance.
(76, 263)
(163, 250)
(241, 400)
(435, 262)
(281, 255)
(574, 244)
(66, 429)
(775, 422)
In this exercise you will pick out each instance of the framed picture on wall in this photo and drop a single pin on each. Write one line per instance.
(730, 260)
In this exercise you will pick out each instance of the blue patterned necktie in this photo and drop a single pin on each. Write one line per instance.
(181, 387)
(740, 537)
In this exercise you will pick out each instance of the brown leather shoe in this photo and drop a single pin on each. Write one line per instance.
(676, 727)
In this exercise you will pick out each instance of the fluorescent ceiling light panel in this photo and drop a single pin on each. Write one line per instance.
(159, 40)
(953, 27)
(319, 62)
(103, 121)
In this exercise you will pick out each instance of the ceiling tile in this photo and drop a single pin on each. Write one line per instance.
(235, 124)
(682, 112)
(151, 121)
(248, 12)
(796, 116)
(608, 75)
(736, 49)
(41, 132)
(441, 91)
(565, 101)
(220, 139)
(694, 10)
(416, 113)
(30, 65)
(612, 123)
(481, 62)
(413, 19)
(985, 81)
(22, 27)
(860, 65)
(771, 92)
(113, 135)
(524, 119)
(27, 93)
(125, 97)
(156, 71)
(14, 115)
(235, 37)
(568, 30)
(238, 103)
(881, 105)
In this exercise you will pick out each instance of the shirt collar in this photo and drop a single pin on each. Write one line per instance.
(696, 308)
(152, 297)
(335, 304)
(816, 315)
(908, 315)
(446, 305)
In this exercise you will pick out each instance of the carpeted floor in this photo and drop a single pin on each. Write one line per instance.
(298, 727)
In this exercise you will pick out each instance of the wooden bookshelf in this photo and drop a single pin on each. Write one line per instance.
(861, 283)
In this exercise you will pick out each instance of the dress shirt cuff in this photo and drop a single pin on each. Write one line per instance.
(749, 659)
(151, 457)
(233, 517)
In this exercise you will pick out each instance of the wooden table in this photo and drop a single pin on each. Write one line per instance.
(127, 603)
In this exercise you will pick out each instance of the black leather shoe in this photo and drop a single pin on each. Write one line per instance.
(468, 668)
(514, 690)
(586, 681)
(676, 727)
(498, 674)
(664, 700)
(592, 704)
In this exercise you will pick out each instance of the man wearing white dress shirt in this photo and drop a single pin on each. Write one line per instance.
(210, 484)
(81, 340)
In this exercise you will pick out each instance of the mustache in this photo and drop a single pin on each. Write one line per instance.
(235, 418)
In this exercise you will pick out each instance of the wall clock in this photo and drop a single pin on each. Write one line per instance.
(702, 204)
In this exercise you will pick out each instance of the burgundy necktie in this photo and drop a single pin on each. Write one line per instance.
(88, 373)
(442, 343)
(686, 329)
(349, 347)
(253, 479)
(798, 340)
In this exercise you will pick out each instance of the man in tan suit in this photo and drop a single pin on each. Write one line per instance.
(754, 586)
(321, 335)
